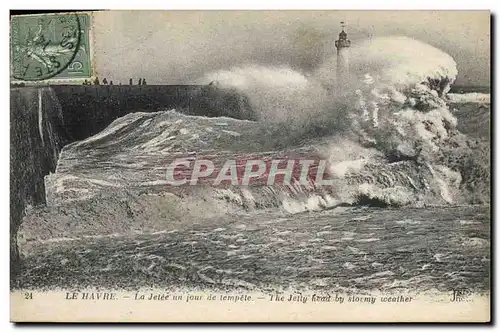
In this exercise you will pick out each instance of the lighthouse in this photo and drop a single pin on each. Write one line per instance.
(342, 45)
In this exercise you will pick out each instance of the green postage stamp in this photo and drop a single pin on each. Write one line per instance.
(50, 46)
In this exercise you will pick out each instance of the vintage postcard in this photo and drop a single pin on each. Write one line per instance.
(250, 166)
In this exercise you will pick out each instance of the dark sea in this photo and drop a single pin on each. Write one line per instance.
(411, 247)
(365, 249)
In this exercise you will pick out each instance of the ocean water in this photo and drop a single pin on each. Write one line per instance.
(362, 249)
(409, 208)
(109, 224)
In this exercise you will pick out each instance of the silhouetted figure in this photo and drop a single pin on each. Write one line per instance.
(144, 81)
(130, 82)
(110, 82)
(96, 81)
(105, 81)
(140, 80)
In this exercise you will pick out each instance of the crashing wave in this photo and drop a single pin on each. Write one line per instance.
(389, 137)
(394, 103)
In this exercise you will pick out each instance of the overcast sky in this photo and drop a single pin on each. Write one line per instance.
(177, 47)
